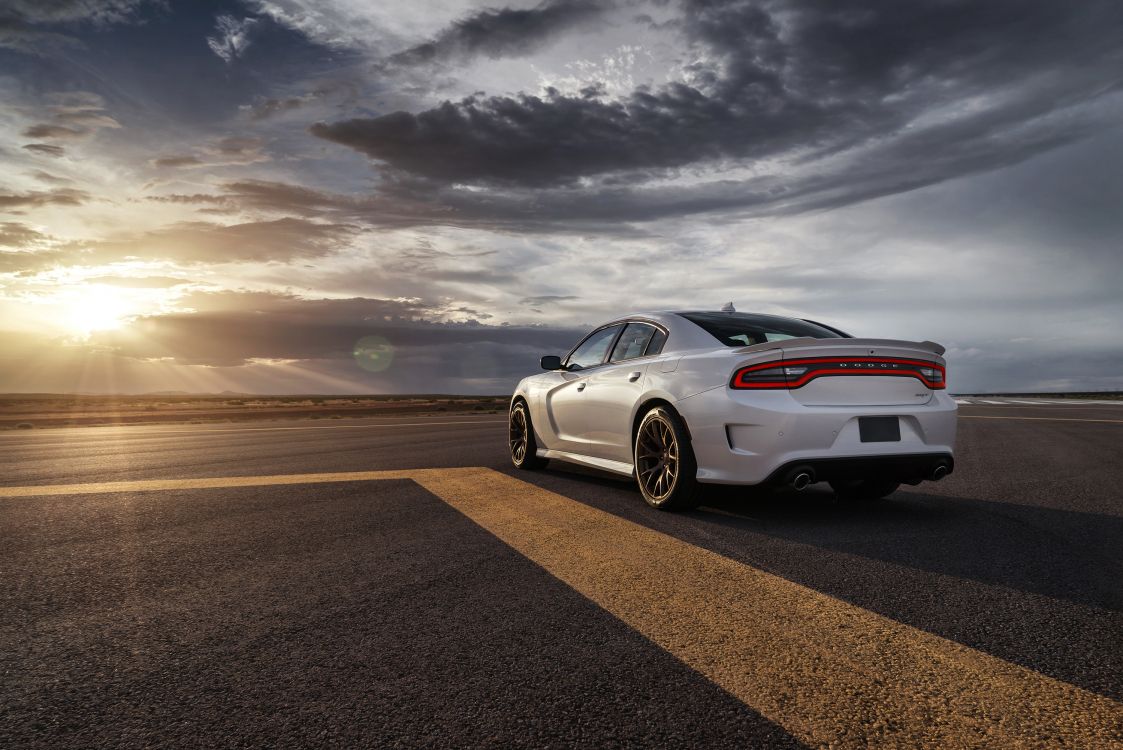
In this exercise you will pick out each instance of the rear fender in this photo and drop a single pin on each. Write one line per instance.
(701, 371)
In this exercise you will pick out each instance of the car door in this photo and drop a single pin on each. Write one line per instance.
(566, 405)
(611, 392)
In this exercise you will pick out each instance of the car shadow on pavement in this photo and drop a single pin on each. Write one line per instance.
(1028, 584)
(1051, 552)
(1046, 551)
(1061, 554)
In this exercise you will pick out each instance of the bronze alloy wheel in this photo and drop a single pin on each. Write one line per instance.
(657, 458)
(518, 435)
(520, 439)
(665, 468)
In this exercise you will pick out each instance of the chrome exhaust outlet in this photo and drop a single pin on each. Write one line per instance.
(801, 479)
(938, 473)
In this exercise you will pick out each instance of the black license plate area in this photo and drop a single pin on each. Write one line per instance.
(879, 429)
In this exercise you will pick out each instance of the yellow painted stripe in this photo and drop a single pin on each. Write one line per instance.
(199, 483)
(1042, 419)
(832, 674)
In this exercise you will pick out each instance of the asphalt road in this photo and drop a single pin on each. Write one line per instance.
(226, 603)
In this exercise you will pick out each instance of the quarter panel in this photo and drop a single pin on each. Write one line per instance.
(699, 371)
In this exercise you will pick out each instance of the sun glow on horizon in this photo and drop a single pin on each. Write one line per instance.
(96, 308)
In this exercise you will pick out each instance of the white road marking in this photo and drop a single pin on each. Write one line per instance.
(1099, 403)
(355, 426)
(1042, 419)
(21, 433)
(1038, 402)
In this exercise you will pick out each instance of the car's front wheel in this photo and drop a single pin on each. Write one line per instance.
(524, 448)
(664, 462)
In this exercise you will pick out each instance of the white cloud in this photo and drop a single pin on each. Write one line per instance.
(376, 26)
(232, 37)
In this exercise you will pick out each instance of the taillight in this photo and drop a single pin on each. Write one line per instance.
(798, 373)
(935, 375)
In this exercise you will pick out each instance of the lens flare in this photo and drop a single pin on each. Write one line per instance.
(374, 353)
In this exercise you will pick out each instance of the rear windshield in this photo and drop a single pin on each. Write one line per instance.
(744, 329)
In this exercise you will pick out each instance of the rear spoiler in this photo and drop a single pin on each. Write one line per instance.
(807, 341)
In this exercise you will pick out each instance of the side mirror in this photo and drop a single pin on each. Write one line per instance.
(551, 362)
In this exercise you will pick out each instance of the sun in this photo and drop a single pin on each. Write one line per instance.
(95, 308)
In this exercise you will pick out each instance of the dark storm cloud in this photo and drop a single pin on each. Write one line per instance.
(179, 160)
(506, 32)
(268, 107)
(221, 152)
(413, 203)
(48, 130)
(231, 328)
(75, 116)
(264, 108)
(14, 234)
(47, 149)
(867, 99)
(36, 198)
(272, 197)
(191, 199)
(47, 177)
(88, 119)
(279, 241)
(547, 299)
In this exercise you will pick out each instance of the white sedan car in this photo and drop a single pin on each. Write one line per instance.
(678, 400)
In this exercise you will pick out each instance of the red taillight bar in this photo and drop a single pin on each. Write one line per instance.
(795, 373)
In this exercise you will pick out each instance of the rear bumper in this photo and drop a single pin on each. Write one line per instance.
(743, 437)
(911, 468)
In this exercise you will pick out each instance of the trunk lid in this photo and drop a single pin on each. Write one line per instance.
(886, 372)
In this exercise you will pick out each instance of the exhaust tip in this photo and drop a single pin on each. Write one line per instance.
(939, 473)
(801, 480)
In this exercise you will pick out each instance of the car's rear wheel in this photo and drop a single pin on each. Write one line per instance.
(524, 448)
(864, 489)
(664, 462)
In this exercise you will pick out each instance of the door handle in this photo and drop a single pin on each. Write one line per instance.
(580, 386)
(633, 377)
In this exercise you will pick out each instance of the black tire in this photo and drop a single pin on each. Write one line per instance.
(864, 489)
(521, 442)
(665, 467)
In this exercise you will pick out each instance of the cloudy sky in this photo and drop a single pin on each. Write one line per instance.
(426, 195)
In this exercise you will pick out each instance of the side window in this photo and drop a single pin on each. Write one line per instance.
(633, 342)
(656, 344)
(591, 351)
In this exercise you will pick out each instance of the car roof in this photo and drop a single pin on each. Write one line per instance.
(683, 334)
